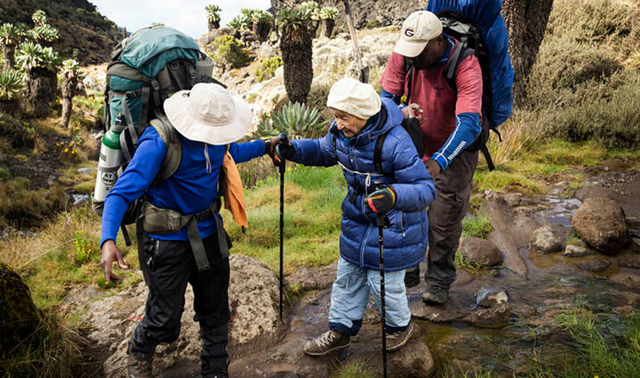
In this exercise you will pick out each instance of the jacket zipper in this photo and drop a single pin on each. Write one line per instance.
(402, 222)
(364, 245)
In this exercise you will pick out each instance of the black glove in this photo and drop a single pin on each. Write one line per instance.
(284, 151)
(381, 201)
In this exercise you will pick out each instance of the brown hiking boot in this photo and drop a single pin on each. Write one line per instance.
(326, 343)
(435, 296)
(138, 367)
(396, 340)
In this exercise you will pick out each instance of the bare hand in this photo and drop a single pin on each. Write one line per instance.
(433, 167)
(413, 110)
(111, 253)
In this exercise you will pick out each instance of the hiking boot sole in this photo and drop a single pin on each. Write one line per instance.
(318, 354)
(406, 339)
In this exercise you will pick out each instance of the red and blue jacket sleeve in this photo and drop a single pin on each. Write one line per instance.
(468, 112)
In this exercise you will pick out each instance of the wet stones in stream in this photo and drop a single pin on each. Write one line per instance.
(600, 222)
(577, 251)
(547, 239)
(480, 251)
(594, 266)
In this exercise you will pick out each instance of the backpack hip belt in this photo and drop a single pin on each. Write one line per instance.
(155, 220)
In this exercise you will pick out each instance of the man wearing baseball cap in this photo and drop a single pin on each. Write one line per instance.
(183, 240)
(450, 119)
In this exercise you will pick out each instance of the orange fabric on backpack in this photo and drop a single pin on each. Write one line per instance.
(232, 191)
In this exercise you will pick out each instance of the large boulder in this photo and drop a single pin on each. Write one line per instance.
(19, 317)
(600, 222)
(254, 302)
(480, 251)
(547, 239)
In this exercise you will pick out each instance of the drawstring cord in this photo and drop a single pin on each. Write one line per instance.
(206, 156)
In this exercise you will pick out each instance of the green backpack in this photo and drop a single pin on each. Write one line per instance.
(145, 69)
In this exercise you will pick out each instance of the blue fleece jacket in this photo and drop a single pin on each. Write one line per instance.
(191, 189)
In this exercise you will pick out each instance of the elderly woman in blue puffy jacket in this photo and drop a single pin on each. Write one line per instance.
(360, 118)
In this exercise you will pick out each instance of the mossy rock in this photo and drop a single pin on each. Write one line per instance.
(19, 317)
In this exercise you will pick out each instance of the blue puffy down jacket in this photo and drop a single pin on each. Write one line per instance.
(405, 241)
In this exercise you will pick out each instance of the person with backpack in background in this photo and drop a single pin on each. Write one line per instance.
(183, 241)
(450, 120)
(361, 118)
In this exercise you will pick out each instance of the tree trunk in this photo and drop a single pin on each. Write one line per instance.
(41, 87)
(526, 21)
(327, 27)
(363, 74)
(67, 92)
(313, 28)
(264, 28)
(8, 52)
(297, 54)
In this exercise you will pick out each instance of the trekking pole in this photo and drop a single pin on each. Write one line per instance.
(283, 139)
(381, 223)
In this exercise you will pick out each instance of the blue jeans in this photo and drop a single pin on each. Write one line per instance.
(350, 296)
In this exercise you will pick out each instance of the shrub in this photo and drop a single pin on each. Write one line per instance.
(297, 120)
(578, 88)
(267, 68)
(230, 52)
(17, 134)
(10, 85)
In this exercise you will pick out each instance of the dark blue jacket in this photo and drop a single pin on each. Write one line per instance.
(405, 241)
(189, 190)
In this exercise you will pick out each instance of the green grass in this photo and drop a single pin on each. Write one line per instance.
(354, 369)
(464, 263)
(312, 216)
(477, 226)
(608, 348)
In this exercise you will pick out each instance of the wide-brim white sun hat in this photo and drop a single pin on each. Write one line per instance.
(208, 113)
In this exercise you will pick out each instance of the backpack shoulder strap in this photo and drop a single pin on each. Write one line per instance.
(451, 67)
(408, 69)
(170, 138)
(377, 151)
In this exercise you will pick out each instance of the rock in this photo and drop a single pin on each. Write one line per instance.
(595, 266)
(629, 261)
(19, 317)
(600, 222)
(576, 251)
(413, 360)
(546, 239)
(85, 171)
(493, 309)
(513, 199)
(480, 251)
(315, 278)
(253, 299)
(79, 199)
(53, 180)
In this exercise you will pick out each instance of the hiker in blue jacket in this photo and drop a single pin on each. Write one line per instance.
(194, 250)
(360, 118)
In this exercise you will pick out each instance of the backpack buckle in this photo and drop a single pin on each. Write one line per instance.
(155, 85)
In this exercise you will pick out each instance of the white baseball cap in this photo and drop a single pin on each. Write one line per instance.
(208, 113)
(417, 30)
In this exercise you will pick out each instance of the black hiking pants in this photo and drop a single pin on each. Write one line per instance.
(171, 266)
(453, 189)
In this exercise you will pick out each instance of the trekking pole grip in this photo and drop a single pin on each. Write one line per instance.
(284, 139)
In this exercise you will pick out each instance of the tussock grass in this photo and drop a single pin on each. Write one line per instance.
(21, 206)
(608, 348)
(477, 226)
(354, 369)
(65, 252)
(53, 350)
